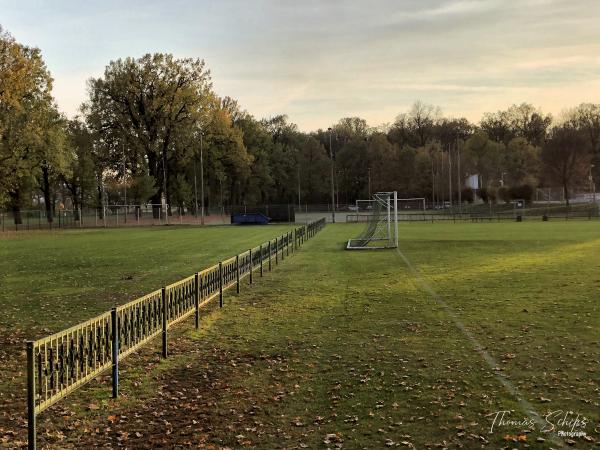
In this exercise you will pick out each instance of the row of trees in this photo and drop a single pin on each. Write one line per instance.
(150, 122)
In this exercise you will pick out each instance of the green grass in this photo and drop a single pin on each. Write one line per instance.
(351, 348)
(51, 280)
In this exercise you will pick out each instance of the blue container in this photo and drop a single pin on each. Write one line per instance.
(249, 219)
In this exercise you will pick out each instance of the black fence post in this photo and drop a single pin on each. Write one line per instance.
(220, 284)
(237, 273)
(282, 245)
(287, 243)
(261, 260)
(31, 419)
(164, 322)
(270, 252)
(250, 253)
(276, 251)
(197, 298)
(114, 321)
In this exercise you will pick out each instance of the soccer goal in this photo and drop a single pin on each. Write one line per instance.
(411, 204)
(381, 217)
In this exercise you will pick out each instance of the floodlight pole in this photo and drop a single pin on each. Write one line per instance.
(369, 183)
(201, 181)
(593, 185)
(458, 179)
(450, 176)
(195, 190)
(298, 187)
(332, 175)
(124, 180)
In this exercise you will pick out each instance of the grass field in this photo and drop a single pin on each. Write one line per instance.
(53, 280)
(334, 348)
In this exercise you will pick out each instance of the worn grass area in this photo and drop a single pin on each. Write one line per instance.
(351, 350)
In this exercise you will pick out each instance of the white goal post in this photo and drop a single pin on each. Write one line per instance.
(381, 230)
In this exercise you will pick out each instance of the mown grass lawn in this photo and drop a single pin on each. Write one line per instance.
(55, 279)
(353, 350)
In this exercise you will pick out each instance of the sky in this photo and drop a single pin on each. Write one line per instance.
(319, 61)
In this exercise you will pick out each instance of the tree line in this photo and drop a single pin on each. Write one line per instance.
(150, 124)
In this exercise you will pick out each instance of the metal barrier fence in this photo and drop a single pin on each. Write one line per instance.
(63, 362)
(484, 213)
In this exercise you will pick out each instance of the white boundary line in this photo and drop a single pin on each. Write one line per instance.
(525, 405)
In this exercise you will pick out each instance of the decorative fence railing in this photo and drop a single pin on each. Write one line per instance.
(61, 363)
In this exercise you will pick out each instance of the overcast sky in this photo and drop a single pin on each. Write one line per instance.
(318, 61)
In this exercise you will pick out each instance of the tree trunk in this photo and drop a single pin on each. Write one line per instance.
(100, 203)
(16, 207)
(75, 208)
(46, 191)
(566, 193)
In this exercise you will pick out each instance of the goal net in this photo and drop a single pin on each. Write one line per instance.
(381, 217)
(411, 204)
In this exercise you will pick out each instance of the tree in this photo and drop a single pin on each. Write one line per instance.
(149, 106)
(522, 120)
(449, 132)
(314, 166)
(31, 129)
(55, 156)
(81, 178)
(586, 117)
(566, 157)
(483, 156)
(521, 163)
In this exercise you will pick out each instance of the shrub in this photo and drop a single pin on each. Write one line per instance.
(488, 194)
(504, 194)
(467, 195)
(523, 191)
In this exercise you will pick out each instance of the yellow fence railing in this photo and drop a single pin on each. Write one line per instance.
(63, 362)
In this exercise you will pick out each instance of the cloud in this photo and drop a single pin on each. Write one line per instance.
(318, 61)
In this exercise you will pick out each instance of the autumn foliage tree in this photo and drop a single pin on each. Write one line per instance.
(31, 128)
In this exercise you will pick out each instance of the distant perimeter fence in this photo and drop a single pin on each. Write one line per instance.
(515, 211)
(112, 216)
(63, 362)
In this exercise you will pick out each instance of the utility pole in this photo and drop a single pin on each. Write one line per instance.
(165, 186)
(450, 176)
(432, 183)
(593, 187)
(332, 175)
(221, 187)
(195, 190)
(201, 180)
(124, 180)
(298, 187)
(458, 179)
(369, 183)
(443, 202)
